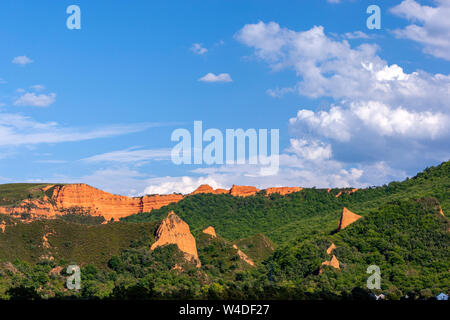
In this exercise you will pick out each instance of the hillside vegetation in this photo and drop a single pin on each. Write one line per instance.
(402, 232)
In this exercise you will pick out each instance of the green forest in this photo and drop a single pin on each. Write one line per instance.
(402, 231)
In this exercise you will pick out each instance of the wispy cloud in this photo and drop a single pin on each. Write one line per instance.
(355, 35)
(16, 130)
(22, 60)
(38, 87)
(131, 155)
(211, 77)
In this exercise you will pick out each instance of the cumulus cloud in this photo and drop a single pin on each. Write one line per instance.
(211, 77)
(198, 48)
(430, 26)
(35, 100)
(330, 68)
(22, 60)
(380, 117)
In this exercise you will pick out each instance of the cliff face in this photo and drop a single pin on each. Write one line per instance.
(205, 188)
(95, 201)
(243, 191)
(75, 197)
(173, 230)
(347, 218)
(283, 190)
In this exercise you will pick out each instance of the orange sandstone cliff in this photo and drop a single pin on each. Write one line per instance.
(243, 191)
(78, 198)
(173, 230)
(65, 198)
(347, 218)
(283, 190)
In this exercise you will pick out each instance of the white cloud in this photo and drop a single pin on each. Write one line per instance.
(379, 113)
(430, 26)
(355, 35)
(16, 130)
(22, 60)
(38, 87)
(185, 184)
(310, 150)
(3, 81)
(211, 77)
(279, 92)
(32, 99)
(198, 48)
(131, 155)
(329, 68)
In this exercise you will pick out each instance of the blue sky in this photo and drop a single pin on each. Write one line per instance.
(354, 107)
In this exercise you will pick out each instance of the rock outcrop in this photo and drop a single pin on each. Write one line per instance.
(332, 263)
(347, 192)
(211, 231)
(67, 198)
(205, 188)
(283, 190)
(173, 230)
(82, 198)
(243, 191)
(243, 256)
(331, 248)
(347, 218)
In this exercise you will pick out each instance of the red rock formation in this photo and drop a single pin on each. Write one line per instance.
(333, 263)
(347, 192)
(220, 191)
(331, 248)
(441, 212)
(347, 218)
(243, 256)
(243, 191)
(204, 188)
(67, 198)
(211, 231)
(95, 201)
(283, 190)
(173, 230)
